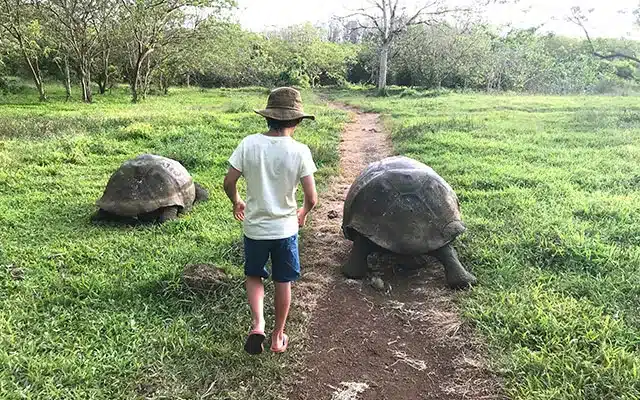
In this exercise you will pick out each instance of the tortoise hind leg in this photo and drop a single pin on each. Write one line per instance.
(356, 267)
(457, 277)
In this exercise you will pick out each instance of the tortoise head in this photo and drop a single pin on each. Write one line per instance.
(201, 193)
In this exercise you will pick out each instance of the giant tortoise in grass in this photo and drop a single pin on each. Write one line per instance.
(402, 206)
(149, 188)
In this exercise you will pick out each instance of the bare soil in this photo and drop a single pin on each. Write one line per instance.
(396, 335)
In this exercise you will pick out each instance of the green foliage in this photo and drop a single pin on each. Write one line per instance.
(549, 192)
(216, 53)
(477, 58)
(99, 310)
(296, 56)
(12, 85)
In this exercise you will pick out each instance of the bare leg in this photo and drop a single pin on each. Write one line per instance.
(255, 295)
(283, 302)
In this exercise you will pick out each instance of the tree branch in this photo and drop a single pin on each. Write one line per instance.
(414, 20)
(578, 18)
(362, 13)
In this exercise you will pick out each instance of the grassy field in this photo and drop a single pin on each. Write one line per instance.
(550, 191)
(98, 311)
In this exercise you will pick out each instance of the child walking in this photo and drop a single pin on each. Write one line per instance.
(272, 165)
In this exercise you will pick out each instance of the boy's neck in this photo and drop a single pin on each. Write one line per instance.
(287, 132)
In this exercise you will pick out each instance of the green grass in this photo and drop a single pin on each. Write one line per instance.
(550, 191)
(100, 312)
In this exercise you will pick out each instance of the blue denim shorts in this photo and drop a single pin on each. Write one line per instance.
(285, 261)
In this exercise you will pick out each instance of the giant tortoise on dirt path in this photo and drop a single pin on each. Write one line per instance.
(149, 188)
(403, 206)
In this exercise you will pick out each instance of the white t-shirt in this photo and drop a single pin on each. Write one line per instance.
(272, 168)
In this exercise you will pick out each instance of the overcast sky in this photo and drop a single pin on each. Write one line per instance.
(605, 20)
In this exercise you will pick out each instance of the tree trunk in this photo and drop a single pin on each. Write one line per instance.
(382, 73)
(34, 67)
(162, 84)
(85, 80)
(134, 79)
(145, 81)
(41, 93)
(102, 86)
(105, 79)
(67, 78)
(134, 91)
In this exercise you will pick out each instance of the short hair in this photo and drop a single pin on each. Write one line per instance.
(277, 124)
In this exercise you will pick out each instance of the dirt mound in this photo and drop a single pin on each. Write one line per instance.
(203, 277)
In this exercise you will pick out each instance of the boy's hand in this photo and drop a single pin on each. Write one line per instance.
(302, 217)
(238, 210)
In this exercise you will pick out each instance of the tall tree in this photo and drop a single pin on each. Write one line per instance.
(151, 25)
(580, 18)
(62, 62)
(19, 20)
(390, 18)
(107, 46)
(79, 26)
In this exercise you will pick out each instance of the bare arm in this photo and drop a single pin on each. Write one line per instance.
(231, 189)
(310, 194)
(310, 198)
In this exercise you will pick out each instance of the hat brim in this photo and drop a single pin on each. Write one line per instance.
(281, 114)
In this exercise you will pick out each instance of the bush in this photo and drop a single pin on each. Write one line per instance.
(12, 85)
(409, 92)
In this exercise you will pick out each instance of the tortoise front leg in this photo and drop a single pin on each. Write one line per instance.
(160, 215)
(457, 277)
(356, 267)
(102, 215)
(168, 213)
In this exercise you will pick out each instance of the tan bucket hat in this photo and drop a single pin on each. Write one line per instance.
(284, 104)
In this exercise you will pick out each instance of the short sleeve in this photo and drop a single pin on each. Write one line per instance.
(237, 157)
(307, 167)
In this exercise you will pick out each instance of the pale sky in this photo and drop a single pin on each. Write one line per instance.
(606, 21)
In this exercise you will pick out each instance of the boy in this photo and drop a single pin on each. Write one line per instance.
(272, 164)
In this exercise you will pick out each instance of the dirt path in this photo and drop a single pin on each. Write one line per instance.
(405, 341)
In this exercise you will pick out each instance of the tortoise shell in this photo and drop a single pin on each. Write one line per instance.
(145, 184)
(404, 206)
